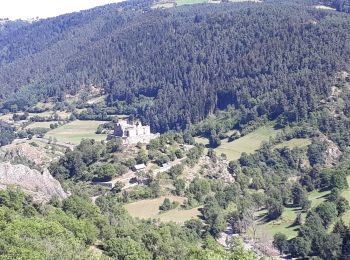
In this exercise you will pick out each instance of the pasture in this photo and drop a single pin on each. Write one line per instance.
(77, 130)
(145, 209)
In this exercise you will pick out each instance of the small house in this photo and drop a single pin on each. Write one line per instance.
(139, 167)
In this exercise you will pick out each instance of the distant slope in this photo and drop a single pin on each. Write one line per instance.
(174, 67)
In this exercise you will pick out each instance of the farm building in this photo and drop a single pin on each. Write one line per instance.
(139, 167)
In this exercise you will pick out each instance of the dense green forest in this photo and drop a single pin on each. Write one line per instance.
(176, 66)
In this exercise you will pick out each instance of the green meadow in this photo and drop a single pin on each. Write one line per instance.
(248, 143)
(145, 209)
(77, 130)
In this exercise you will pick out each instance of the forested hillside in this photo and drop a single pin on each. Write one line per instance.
(176, 66)
(256, 96)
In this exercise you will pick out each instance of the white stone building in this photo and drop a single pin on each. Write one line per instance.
(132, 133)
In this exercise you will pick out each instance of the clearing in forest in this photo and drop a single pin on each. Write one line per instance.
(145, 209)
(77, 130)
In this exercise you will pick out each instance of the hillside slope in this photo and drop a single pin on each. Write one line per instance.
(174, 67)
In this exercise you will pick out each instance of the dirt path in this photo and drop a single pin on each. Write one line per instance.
(168, 167)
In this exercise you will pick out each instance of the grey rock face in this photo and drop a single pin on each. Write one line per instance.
(41, 186)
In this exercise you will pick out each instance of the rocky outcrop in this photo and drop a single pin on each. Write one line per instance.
(41, 186)
(333, 153)
(35, 155)
(213, 168)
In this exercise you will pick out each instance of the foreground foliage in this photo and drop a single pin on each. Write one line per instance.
(66, 230)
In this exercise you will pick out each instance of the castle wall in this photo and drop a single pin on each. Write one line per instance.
(133, 134)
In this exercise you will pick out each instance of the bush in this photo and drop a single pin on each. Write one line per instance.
(176, 171)
(167, 205)
(274, 208)
(327, 212)
(300, 247)
(280, 242)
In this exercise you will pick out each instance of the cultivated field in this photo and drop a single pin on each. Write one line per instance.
(146, 209)
(77, 130)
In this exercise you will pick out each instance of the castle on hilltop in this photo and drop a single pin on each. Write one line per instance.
(133, 133)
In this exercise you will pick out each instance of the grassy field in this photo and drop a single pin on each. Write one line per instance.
(42, 114)
(40, 125)
(285, 223)
(6, 117)
(190, 2)
(46, 114)
(146, 209)
(241, 1)
(295, 143)
(48, 105)
(248, 143)
(346, 195)
(202, 140)
(96, 100)
(77, 130)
